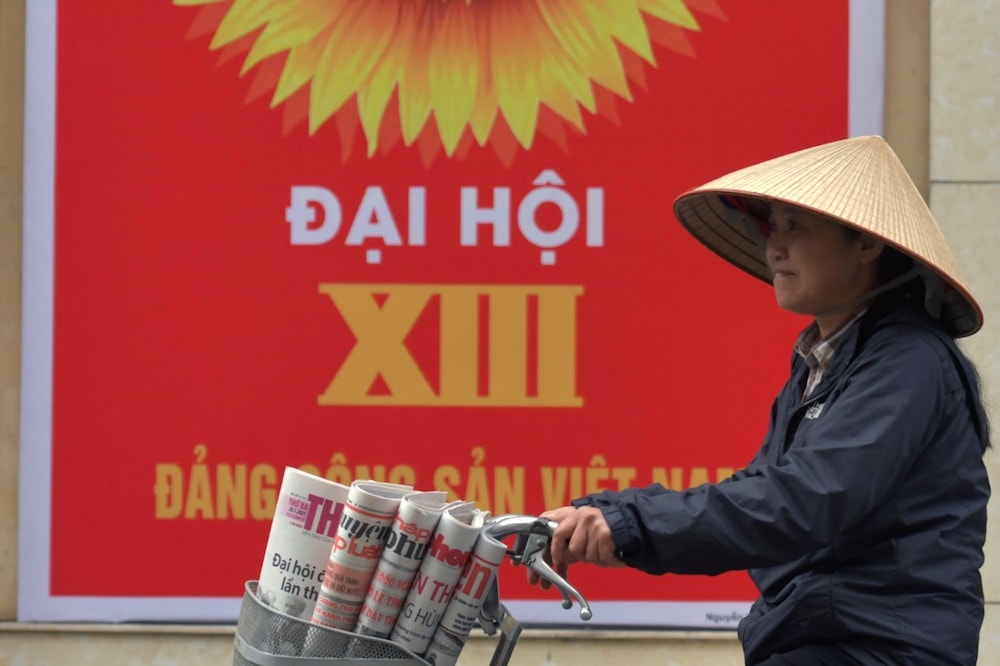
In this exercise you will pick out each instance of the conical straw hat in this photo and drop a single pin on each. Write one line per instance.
(858, 182)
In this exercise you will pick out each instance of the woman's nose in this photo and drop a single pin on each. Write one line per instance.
(775, 248)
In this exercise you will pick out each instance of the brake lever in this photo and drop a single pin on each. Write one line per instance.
(533, 538)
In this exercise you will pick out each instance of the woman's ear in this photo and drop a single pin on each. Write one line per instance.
(869, 248)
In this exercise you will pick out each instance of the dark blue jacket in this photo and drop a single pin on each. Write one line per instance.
(863, 515)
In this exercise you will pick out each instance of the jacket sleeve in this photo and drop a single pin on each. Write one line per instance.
(846, 464)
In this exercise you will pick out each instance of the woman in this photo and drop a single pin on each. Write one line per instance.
(862, 516)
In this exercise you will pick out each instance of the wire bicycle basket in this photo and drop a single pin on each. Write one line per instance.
(268, 637)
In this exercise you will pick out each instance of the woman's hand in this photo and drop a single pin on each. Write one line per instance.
(581, 535)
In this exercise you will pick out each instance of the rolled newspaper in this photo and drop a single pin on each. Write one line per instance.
(404, 550)
(440, 570)
(306, 518)
(365, 524)
(462, 613)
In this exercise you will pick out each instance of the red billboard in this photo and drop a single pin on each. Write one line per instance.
(427, 243)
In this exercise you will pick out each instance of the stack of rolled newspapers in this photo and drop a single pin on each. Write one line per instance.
(379, 560)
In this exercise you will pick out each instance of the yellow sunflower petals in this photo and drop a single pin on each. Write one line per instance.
(515, 78)
(624, 23)
(414, 82)
(349, 57)
(530, 68)
(297, 24)
(243, 17)
(591, 51)
(465, 64)
(671, 11)
(195, 3)
(453, 66)
(373, 99)
(300, 67)
(484, 109)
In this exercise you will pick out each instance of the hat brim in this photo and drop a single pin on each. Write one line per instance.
(733, 236)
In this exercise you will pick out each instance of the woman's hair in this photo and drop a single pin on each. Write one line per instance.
(985, 431)
(892, 264)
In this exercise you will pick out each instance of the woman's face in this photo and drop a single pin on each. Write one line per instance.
(818, 267)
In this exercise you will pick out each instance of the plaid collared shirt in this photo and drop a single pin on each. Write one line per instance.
(818, 352)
